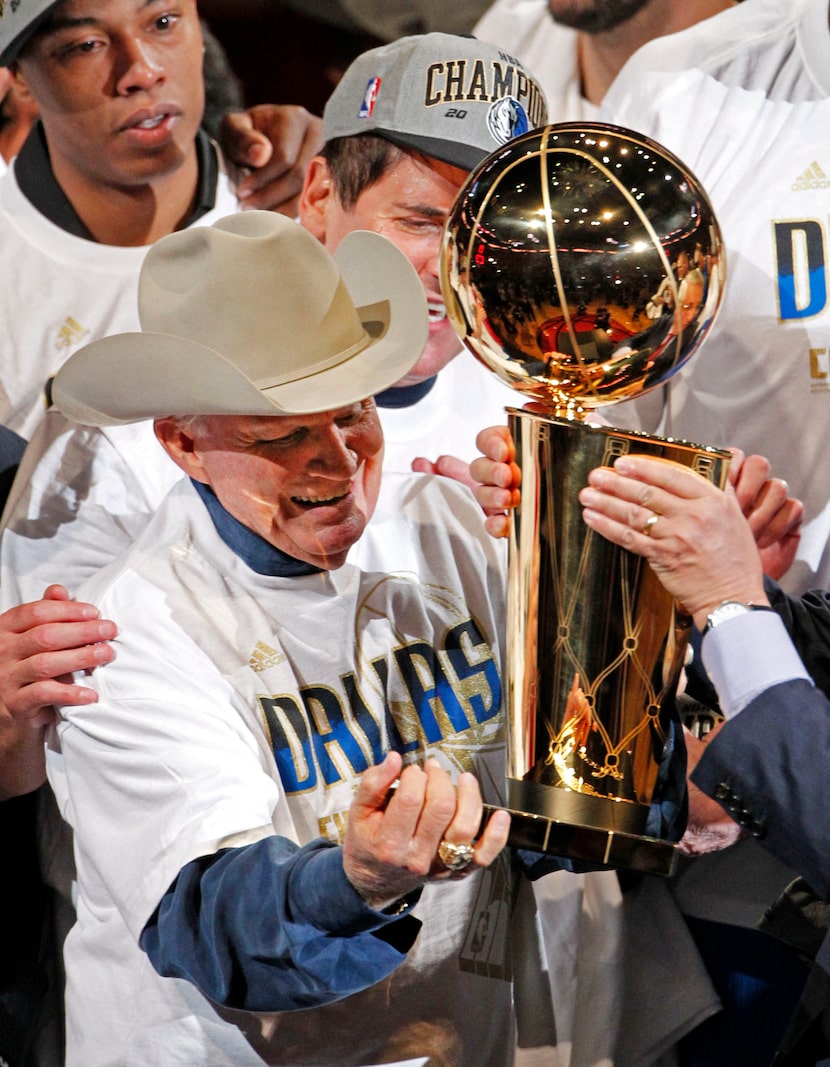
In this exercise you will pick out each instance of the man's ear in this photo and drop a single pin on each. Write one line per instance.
(316, 198)
(179, 442)
(17, 79)
(21, 89)
(6, 80)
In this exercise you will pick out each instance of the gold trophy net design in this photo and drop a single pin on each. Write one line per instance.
(582, 264)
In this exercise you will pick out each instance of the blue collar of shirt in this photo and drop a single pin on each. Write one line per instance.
(404, 396)
(260, 555)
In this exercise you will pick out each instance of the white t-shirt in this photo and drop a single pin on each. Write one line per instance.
(778, 49)
(525, 29)
(761, 165)
(761, 380)
(60, 292)
(210, 655)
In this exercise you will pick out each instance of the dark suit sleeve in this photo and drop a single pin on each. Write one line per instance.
(768, 766)
(807, 619)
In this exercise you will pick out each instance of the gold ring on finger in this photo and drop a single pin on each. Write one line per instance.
(650, 521)
(455, 857)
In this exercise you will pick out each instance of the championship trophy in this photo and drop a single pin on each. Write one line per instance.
(582, 264)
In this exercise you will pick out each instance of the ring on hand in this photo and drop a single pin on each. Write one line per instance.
(455, 857)
(650, 521)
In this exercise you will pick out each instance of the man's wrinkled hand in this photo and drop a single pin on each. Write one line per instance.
(391, 845)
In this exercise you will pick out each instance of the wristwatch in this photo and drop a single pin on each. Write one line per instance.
(730, 609)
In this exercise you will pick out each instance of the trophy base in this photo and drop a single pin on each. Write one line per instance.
(583, 809)
(589, 829)
(607, 848)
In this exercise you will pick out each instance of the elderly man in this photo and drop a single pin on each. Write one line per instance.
(267, 692)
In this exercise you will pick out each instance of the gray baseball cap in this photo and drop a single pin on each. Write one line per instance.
(18, 21)
(447, 96)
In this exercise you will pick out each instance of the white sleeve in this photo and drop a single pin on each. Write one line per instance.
(746, 655)
(79, 500)
(163, 769)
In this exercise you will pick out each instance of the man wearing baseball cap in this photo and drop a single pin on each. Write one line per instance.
(229, 792)
(402, 129)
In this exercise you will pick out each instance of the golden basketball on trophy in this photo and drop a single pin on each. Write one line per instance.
(583, 265)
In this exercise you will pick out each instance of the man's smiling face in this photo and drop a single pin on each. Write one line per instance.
(408, 205)
(308, 484)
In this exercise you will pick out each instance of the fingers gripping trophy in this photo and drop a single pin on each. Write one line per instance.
(551, 254)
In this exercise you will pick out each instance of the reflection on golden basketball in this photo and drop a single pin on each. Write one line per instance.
(583, 264)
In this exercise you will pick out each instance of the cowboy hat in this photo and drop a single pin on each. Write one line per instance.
(252, 316)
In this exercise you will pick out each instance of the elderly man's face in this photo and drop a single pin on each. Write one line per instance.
(120, 88)
(308, 484)
(409, 205)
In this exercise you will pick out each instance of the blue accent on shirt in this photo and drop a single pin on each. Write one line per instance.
(404, 396)
(272, 926)
(260, 555)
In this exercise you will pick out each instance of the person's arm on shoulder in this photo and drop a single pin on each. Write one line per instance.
(42, 644)
(270, 146)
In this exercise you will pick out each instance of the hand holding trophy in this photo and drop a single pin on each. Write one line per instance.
(550, 254)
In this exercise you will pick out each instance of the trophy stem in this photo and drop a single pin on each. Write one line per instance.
(595, 648)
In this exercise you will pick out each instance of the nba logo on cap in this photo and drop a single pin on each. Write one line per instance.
(369, 98)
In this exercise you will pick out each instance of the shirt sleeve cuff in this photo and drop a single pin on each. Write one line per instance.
(330, 902)
(746, 655)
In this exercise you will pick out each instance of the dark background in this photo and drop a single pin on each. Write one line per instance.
(282, 56)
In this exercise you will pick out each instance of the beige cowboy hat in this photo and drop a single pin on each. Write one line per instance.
(252, 316)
